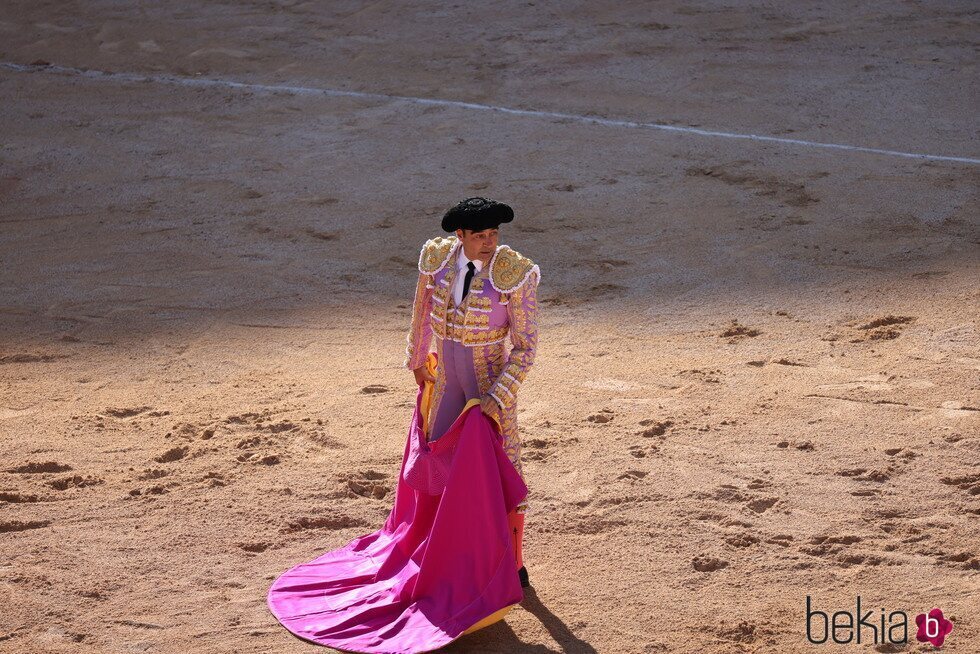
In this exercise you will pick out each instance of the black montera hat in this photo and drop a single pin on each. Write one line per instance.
(477, 214)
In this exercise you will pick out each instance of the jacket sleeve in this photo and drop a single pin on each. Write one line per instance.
(522, 310)
(420, 335)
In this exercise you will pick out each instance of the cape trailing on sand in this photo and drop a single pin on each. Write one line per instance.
(441, 566)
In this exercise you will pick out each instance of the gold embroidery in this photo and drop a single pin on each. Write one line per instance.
(481, 303)
(420, 333)
(509, 269)
(435, 253)
(487, 337)
(474, 319)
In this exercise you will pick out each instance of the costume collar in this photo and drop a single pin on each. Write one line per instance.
(463, 260)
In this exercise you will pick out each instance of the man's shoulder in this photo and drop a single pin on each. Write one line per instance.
(435, 253)
(509, 269)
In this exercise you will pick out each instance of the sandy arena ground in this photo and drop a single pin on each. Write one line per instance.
(758, 375)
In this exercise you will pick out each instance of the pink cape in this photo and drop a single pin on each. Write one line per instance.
(439, 565)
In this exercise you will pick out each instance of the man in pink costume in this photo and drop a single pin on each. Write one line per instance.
(472, 294)
(447, 560)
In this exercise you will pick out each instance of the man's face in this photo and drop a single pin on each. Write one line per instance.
(478, 245)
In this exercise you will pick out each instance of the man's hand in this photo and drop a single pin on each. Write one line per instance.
(490, 407)
(423, 375)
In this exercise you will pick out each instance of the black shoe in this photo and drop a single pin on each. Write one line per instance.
(522, 574)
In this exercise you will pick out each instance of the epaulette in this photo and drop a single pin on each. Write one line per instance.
(509, 269)
(435, 253)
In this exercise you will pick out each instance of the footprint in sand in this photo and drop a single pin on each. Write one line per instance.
(706, 376)
(735, 522)
(882, 329)
(969, 483)
(745, 633)
(742, 540)
(173, 454)
(19, 498)
(38, 468)
(93, 594)
(804, 446)
(215, 479)
(321, 235)
(249, 443)
(786, 191)
(642, 451)
(828, 541)
(633, 475)
(838, 549)
(762, 505)
(602, 417)
(783, 540)
(367, 483)
(708, 563)
(863, 474)
(655, 427)
(127, 412)
(588, 525)
(966, 560)
(278, 427)
(535, 449)
(540, 449)
(736, 332)
(901, 453)
(332, 522)
(75, 481)
(18, 525)
(31, 358)
(732, 494)
(724, 493)
(847, 560)
(185, 430)
(261, 459)
(321, 438)
(243, 418)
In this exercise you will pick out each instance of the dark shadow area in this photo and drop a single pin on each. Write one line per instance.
(500, 637)
(564, 636)
(126, 228)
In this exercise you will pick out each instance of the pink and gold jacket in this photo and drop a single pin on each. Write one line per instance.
(502, 301)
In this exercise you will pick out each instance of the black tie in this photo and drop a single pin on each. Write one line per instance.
(469, 276)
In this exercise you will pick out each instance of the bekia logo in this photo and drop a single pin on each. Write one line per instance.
(933, 627)
(843, 627)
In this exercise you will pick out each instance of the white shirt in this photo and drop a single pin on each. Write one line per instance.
(461, 271)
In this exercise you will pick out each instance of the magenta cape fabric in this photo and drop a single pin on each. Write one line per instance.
(440, 564)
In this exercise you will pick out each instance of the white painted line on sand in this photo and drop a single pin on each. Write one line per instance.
(206, 82)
